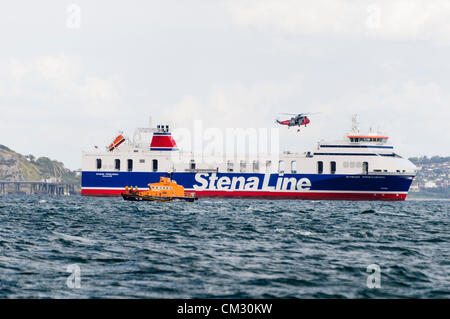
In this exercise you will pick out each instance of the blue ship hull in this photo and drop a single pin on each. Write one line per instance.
(251, 185)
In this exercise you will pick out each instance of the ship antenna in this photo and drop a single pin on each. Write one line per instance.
(355, 124)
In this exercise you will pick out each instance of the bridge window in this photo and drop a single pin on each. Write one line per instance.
(229, 166)
(333, 167)
(255, 166)
(319, 167)
(117, 164)
(155, 165)
(192, 164)
(130, 165)
(243, 166)
(99, 163)
(294, 167)
(268, 166)
(365, 168)
(281, 166)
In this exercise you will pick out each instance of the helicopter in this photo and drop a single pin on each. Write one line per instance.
(296, 120)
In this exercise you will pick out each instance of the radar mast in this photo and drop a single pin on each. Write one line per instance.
(355, 123)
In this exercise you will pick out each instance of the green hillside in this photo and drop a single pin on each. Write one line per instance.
(17, 167)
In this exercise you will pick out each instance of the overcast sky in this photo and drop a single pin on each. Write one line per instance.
(72, 76)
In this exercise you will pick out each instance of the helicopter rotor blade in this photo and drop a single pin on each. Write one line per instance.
(301, 114)
(311, 113)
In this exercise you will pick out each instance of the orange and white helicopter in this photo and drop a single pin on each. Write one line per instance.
(296, 120)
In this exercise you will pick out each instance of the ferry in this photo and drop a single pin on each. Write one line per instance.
(357, 167)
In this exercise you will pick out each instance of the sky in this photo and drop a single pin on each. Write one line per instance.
(73, 74)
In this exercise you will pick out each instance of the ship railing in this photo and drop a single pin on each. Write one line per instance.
(202, 170)
(391, 173)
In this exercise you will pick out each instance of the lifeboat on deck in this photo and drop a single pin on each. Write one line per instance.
(117, 141)
(165, 191)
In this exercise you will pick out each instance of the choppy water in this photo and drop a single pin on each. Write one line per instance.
(222, 248)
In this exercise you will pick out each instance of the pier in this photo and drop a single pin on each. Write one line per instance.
(27, 187)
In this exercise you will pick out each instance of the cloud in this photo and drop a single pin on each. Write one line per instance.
(414, 114)
(243, 108)
(57, 84)
(383, 19)
(237, 105)
(53, 99)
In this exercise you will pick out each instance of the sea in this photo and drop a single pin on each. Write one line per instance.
(87, 247)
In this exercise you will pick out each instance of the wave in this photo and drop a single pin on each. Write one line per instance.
(76, 239)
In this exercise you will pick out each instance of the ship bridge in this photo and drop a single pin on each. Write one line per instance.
(357, 145)
(368, 153)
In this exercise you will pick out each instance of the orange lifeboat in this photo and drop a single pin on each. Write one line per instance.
(164, 191)
(117, 141)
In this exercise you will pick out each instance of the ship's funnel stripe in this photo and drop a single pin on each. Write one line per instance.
(163, 149)
(163, 142)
